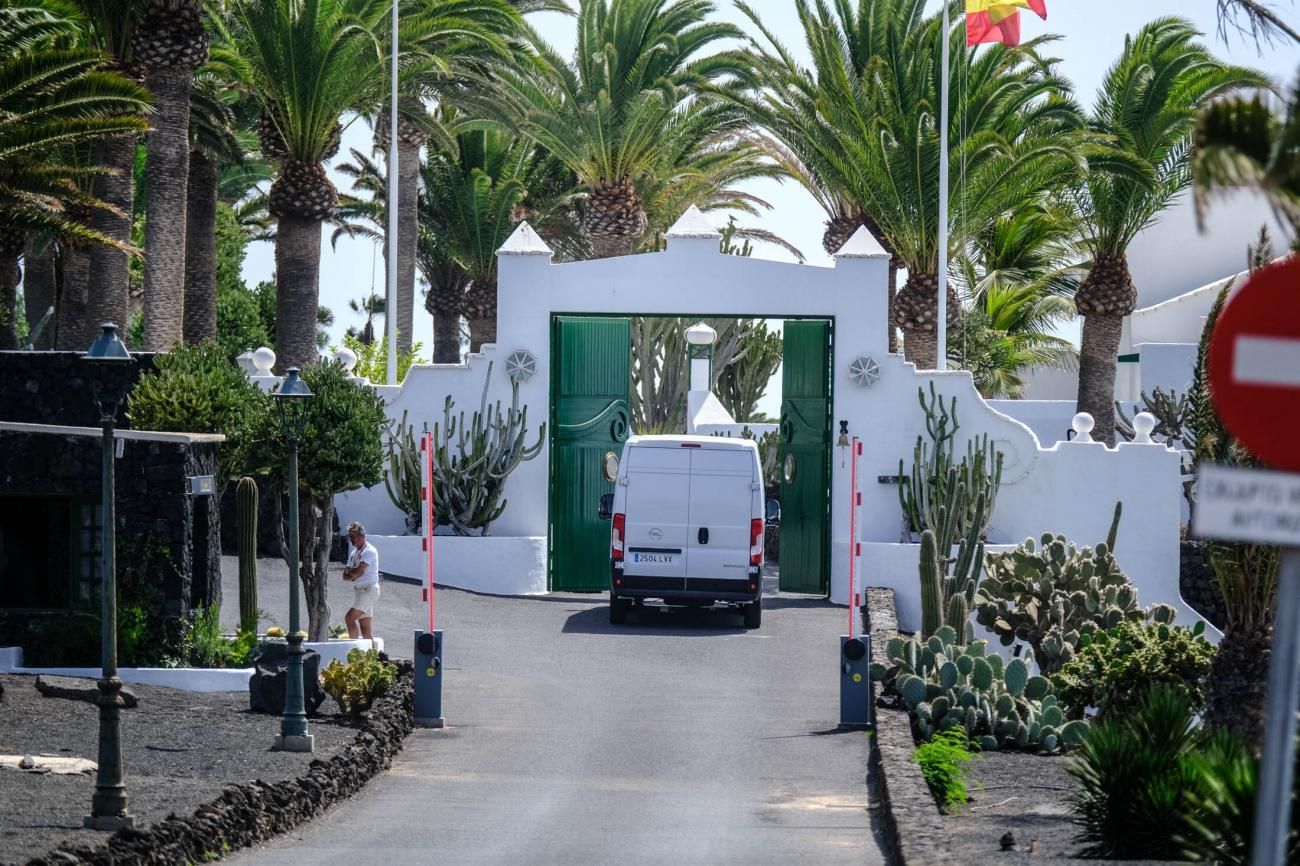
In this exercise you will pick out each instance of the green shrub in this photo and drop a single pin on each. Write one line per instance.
(198, 389)
(943, 759)
(1113, 669)
(372, 358)
(1137, 775)
(356, 684)
(208, 647)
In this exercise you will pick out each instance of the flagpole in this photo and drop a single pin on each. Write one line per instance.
(390, 316)
(941, 323)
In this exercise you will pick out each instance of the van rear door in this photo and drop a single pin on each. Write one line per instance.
(658, 490)
(721, 510)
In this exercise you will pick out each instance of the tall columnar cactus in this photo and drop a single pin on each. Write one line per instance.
(403, 479)
(246, 517)
(472, 461)
(1051, 594)
(948, 583)
(931, 490)
(999, 705)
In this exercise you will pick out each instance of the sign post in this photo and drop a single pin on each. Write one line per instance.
(1254, 377)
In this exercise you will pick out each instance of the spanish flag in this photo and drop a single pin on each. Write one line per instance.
(998, 20)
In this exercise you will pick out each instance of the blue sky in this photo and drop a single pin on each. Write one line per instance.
(1092, 34)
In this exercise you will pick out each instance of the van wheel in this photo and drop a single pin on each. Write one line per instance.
(617, 609)
(754, 613)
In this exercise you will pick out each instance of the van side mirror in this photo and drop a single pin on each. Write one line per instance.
(606, 506)
(773, 508)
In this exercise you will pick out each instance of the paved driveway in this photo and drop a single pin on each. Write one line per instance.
(679, 738)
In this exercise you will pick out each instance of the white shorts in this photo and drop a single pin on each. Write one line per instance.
(364, 598)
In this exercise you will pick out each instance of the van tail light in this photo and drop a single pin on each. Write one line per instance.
(616, 537)
(756, 541)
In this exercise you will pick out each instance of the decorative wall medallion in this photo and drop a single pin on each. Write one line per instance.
(610, 466)
(790, 469)
(864, 371)
(521, 365)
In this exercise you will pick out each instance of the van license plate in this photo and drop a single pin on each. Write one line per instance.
(653, 558)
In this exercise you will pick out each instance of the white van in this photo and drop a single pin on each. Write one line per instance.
(688, 514)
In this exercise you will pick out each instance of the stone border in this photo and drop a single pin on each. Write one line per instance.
(912, 826)
(252, 812)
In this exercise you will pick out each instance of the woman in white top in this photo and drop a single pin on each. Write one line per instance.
(362, 570)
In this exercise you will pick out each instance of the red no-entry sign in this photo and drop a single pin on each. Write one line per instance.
(1254, 365)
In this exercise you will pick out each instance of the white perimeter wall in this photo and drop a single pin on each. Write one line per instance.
(1066, 488)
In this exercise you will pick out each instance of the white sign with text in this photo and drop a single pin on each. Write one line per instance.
(1253, 505)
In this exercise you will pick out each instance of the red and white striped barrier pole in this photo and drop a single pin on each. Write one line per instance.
(855, 500)
(426, 495)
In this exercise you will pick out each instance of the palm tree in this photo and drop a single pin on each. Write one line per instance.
(168, 43)
(216, 141)
(847, 44)
(372, 307)
(460, 35)
(1013, 138)
(1261, 21)
(52, 100)
(310, 62)
(108, 25)
(1242, 143)
(1020, 273)
(606, 113)
(1145, 112)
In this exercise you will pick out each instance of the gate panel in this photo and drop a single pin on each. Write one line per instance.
(590, 360)
(805, 457)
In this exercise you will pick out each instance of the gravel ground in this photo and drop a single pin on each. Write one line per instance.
(180, 748)
(1027, 796)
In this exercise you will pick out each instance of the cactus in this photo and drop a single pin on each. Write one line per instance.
(945, 686)
(403, 479)
(948, 584)
(246, 516)
(1053, 595)
(471, 462)
(932, 613)
(930, 496)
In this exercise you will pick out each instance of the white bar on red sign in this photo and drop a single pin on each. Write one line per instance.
(1266, 361)
(1255, 505)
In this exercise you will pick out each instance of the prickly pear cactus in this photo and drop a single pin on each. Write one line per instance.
(946, 685)
(1052, 593)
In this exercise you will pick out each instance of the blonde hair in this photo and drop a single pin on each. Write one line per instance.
(355, 528)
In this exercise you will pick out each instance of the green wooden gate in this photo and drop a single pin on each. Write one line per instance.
(590, 418)
(805, 456)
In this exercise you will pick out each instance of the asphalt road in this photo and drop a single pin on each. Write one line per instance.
(678, 738)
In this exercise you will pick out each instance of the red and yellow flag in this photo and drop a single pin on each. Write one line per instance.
(998, 20)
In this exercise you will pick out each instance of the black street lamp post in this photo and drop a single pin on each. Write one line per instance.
(291, 402)
(108, 805)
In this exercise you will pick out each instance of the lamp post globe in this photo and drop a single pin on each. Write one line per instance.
(291, 402)
(108, 806)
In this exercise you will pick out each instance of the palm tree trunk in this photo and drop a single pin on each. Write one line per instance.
(201, 249)
(892, 332)
(11, 248)
(106, 295)
(297, 290)
(168, 168)
(1098, 360)
(73, 313)
(606, 247)
(446, 337)
(481, 331)
(39, 294)
(408, 195)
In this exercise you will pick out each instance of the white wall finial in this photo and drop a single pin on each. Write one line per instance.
(525, 241)
(694, 224)
(862, 245)
(1083, 424)
(1143, 424)
(347, 359)
(263, 361)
